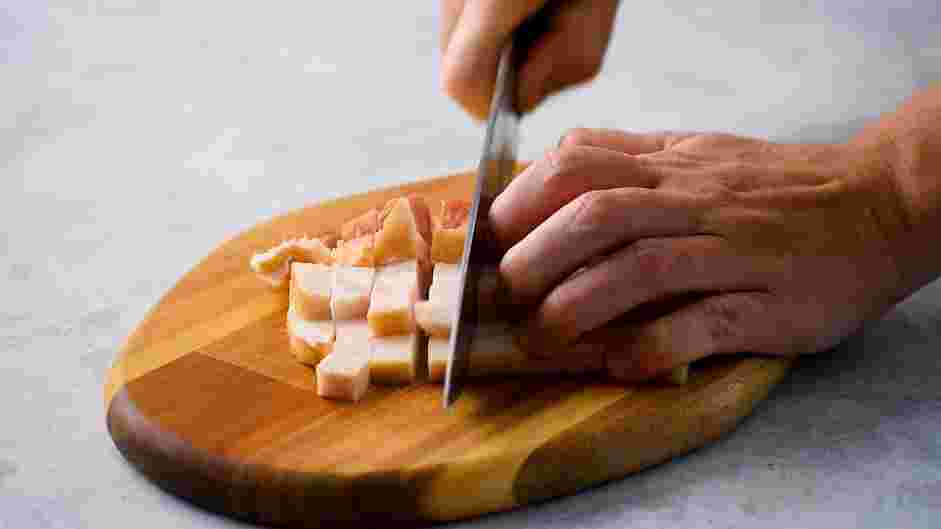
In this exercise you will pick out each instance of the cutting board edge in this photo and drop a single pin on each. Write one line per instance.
(743, 397)
(198, 476)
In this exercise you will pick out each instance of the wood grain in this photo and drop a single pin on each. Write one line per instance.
(207, 401)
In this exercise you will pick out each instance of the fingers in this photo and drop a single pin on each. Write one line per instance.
(646, 271)
(617, 140)
(570, 53)
(723, 323)
(450, 13)
(591, 225)
(469, 63)
(561, 176)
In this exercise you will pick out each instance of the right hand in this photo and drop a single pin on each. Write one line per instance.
(474, 31)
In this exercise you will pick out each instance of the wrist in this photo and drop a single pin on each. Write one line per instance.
(902, 151)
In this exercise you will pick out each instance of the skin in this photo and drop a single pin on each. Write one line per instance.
(665, 248)
(569, 53)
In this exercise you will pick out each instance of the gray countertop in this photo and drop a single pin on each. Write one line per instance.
(135, 135)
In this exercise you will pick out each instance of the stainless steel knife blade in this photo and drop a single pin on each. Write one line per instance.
(494, 172)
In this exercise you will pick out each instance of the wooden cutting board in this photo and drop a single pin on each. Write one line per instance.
(206, 400)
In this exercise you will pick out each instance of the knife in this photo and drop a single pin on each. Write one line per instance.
(494, 173)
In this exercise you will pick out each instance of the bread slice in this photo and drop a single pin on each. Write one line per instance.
(390, 310)
(352, 337)
(311, 284)
(345, 373)
(273, 265)
(352, 288)
(303, 250)
(445, 281)
(329, 239)
(310, 341)
(365, 224)
(277, 278)
(399, 237)
(438, 350)
(495, 352)
(434, 317)
(404, 235)
(450, 231)
(356, 252)
(390, 306)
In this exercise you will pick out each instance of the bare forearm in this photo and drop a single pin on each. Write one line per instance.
(905, 148)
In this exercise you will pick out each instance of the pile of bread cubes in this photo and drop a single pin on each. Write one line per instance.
(376, 307)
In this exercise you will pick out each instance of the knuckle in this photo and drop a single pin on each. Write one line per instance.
(593, 210)
(656, 262)
(733, 176)
(714, 141)
(723, 319)
(716, 190)
(578, 136)
(561, 164)
(568, 158)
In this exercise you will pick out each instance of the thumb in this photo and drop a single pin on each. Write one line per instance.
(472, 54)
(569, 53)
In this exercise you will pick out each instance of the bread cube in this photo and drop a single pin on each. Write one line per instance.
(343, 376)
(352, 288)
(277, 278)
(438, 350)
(390, 306)
(450, 231)
(273, 266)
(494, 352)
(365, 224)
(310, 341)
(302, 250)
(434, 317)
(394, 360)
(356, 252)
(311, 285)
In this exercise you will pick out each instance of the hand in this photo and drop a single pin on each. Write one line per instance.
(785, 249)
(474, 31)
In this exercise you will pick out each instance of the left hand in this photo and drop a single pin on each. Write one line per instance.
(788, 247)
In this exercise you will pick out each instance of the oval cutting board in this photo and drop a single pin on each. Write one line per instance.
(206, 400)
